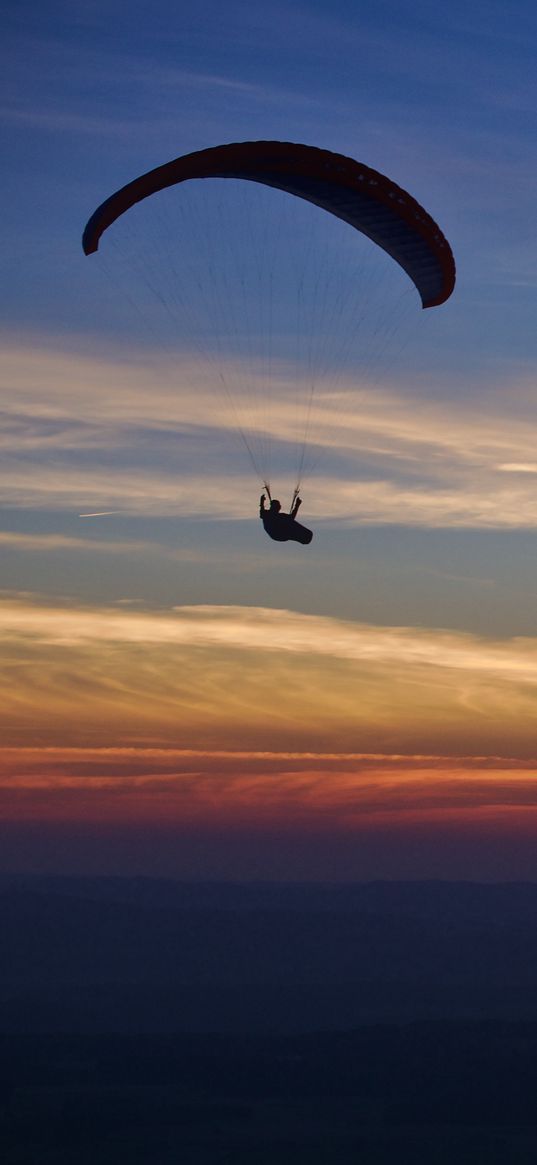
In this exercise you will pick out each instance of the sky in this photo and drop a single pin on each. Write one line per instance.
(180, 696)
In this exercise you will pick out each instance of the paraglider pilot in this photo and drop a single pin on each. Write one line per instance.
(283, 527)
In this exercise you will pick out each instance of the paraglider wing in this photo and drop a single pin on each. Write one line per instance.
(362, 197)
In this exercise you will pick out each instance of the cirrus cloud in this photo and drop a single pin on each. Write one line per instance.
(384, 456)
(258, 678)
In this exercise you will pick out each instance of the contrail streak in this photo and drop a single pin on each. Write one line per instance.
(100, 514)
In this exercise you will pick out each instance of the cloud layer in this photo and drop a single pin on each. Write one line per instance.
(101, 434)
(258, 678)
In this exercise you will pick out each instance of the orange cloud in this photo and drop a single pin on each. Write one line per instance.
(214, 741)
(328, 792)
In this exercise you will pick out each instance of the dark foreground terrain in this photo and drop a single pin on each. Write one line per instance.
(148, 1022)
(428, 1092)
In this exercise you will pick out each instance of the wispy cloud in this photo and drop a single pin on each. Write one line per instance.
(51, 543)
(137, 97)
(237, 677)
(414, 461)
(309, 790)
(55, 119)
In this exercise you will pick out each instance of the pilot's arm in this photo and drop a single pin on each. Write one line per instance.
(296, 507)
(262, 509)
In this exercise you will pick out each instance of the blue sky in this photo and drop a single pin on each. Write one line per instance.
(424, 504)
(442, 99)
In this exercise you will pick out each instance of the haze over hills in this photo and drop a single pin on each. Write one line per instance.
(157, 1021)
(144, 955)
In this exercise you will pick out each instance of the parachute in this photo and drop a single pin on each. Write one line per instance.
(347, 190)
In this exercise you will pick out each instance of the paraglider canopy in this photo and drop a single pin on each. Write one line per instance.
(362, 197)
(276, 319)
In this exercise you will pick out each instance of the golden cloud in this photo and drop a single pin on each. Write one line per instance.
(258, 679)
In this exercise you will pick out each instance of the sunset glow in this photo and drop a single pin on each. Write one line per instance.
(254, 720)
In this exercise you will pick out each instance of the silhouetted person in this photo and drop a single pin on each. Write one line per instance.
(283, 527)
